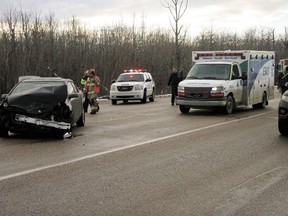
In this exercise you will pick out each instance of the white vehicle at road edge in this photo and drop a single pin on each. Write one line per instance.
(227, 79)
(133, 85)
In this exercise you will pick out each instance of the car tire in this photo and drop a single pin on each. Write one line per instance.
(184, 109)
(3, 132)
(59, 135)
(81, 121)
(283, 127)
(152, 98)
(144, 99)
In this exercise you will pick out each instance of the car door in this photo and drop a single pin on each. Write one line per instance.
(75, 100)
(149, 86)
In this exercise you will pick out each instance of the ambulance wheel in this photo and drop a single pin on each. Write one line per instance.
(283, 128)
(228, 109)
(184, 109)
(264, 102)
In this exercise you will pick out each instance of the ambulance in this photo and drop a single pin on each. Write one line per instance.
(227, 79)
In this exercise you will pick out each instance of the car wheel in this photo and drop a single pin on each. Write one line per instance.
(114, 102)
(81, 121)
(228, 109)
(59, 135)
(144, 100)
(3, 132)
(152, 98)
(184, 109)
(283, 127)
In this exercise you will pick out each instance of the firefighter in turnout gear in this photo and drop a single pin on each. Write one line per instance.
(283, 80)
(83, 82)
(92, 87)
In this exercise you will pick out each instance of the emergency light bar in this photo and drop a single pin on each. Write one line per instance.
(134, 70)
(231, 54)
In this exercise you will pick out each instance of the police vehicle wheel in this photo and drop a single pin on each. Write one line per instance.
(283, 127)
(152, 98)
(228, 109)
(184, 109)
(144, 100)
(114, 102)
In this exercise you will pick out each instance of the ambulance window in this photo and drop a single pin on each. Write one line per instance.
(235, 71)
(244, 67)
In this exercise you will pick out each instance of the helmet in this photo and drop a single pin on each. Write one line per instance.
(92, 71)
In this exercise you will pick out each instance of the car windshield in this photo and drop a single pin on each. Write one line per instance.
(25, 86)
(130, 77)
(210, 71)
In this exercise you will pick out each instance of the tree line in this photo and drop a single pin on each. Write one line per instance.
(42, 46)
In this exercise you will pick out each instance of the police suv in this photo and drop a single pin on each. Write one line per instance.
(133, 84)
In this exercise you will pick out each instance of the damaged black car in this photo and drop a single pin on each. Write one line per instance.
(42, 104)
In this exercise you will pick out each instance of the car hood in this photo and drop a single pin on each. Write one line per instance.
(38, 100)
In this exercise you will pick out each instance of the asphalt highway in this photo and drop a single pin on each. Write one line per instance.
(149, 159)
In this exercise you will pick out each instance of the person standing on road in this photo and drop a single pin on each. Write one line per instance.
(282, 80)
(173, 83)
(93, 89)
(83, 83)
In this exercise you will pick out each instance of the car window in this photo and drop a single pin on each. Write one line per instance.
(130, 77)
(149, 76)
(25, 86)
(71, 88)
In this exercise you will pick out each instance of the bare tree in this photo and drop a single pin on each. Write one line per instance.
(177, 10)
(286, 39)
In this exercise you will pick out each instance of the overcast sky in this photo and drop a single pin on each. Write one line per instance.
(222, 15)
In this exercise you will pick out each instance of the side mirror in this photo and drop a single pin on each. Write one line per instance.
(3, 96)
(244, 77)
(148, 80)
(113, 81)
(73, 95)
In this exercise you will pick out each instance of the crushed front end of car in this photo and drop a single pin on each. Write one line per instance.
(42, 109)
